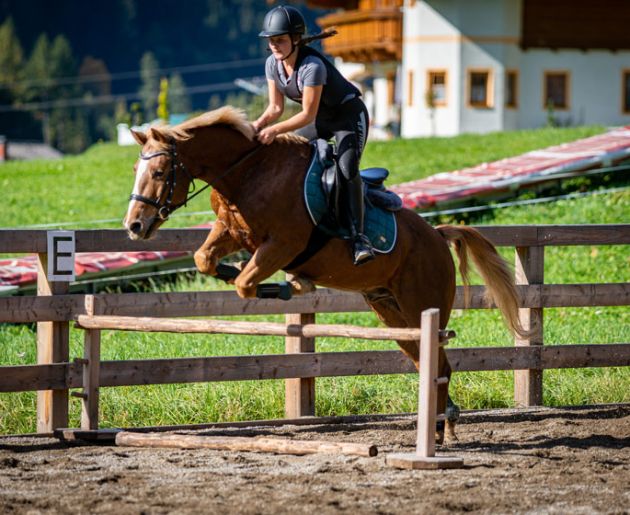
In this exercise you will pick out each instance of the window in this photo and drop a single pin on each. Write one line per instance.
(556, 92)
(480, 88)
(410, 88)
(436, 88)
(625, 91)
(511, 89)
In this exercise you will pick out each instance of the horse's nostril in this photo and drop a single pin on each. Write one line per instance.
(135, 227)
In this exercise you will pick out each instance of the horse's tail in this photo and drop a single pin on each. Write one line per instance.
(493, 269)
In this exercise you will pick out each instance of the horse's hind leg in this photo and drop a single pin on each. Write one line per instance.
(387, 309)
(415, 293)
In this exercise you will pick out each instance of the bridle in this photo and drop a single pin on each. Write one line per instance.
(167, 207)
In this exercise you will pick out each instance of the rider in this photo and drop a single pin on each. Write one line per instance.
(331, 106)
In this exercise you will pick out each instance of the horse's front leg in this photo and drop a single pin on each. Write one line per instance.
(218, 244)
(268, 259)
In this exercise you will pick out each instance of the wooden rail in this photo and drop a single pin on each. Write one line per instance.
(53, 309)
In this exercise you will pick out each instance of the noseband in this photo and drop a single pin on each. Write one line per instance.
(166, 208)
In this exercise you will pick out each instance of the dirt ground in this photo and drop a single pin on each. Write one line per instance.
(545, 460)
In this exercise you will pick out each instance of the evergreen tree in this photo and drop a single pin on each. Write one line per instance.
(14, 124)
(178, 98)
(38, 72)
(150, 84)
(11, 56)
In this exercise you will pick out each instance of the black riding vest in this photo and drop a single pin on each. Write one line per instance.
(335, 91)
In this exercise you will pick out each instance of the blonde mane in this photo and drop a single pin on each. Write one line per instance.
(226, 115)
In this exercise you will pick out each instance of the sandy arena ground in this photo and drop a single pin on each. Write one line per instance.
(545, 460)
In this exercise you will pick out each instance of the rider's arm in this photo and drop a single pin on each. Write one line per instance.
(274, 109)
(311, 97)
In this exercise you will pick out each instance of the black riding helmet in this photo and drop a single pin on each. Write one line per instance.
(283, 20)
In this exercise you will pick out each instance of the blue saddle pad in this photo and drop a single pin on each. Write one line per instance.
(380, 225)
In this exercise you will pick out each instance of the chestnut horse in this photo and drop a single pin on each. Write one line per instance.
(257, 194)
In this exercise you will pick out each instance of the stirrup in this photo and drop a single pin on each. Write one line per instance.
(362, 251)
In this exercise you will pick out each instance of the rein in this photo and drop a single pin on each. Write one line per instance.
(165, 209)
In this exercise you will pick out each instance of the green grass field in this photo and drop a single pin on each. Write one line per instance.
(49, 190)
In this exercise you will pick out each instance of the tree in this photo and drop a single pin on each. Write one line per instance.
(150, 84)
(37, 70)
(162, 110)
(97, 76)
(11, 55)
(178, 98)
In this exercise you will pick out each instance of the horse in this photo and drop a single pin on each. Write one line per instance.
(257, 195)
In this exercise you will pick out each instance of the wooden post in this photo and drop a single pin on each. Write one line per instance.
(424, 457)
(91, 379)
(427, 392)
(299, 400)
(52, 347)
(530, 269)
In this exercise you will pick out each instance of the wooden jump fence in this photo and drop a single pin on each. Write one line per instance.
(54, 308)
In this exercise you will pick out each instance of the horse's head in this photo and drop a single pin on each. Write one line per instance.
(161, 184)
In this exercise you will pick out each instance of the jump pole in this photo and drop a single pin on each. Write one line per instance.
(424, 457)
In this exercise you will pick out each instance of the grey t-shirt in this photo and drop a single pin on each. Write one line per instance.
(312, 72)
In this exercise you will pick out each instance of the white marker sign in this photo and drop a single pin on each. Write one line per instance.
(61, 256)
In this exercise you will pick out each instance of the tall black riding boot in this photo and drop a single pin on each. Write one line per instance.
(362, 251)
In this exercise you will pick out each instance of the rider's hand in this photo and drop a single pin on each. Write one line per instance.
(267, 135)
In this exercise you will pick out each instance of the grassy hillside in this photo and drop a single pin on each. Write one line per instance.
(95, 186)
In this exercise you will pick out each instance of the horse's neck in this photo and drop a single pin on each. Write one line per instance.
(275, 177)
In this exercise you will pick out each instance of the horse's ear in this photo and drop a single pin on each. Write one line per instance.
(140, 137)
(158, 135)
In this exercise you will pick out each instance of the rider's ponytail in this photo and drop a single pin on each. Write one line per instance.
(326, 33)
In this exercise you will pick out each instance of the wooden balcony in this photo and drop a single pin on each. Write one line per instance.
(373, 32)
(332, 4)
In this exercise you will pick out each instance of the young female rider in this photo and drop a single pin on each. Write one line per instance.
(331, 107)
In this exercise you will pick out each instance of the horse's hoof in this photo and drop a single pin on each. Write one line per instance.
(299, 285)
(439, 437)
(449, 433)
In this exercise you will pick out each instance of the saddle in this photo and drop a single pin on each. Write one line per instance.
(322, 193)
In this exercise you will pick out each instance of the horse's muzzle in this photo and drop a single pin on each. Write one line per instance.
(135, 230)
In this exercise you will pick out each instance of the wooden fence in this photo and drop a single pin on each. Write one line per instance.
(53, 309)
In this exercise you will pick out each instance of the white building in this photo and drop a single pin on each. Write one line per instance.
(492, 65)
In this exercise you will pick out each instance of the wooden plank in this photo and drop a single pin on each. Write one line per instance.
(116, 240)
(585, 356)
(329, 364)
(595, 234)
(530, 269)
(584, 295)
(17, 241)
(244, 443)
(174, 325)
(242, 368)
(29, 378)
(299, 397)
(551, 235)
(226, 303)
(53, 346)
(477, 359)
(104, 240)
